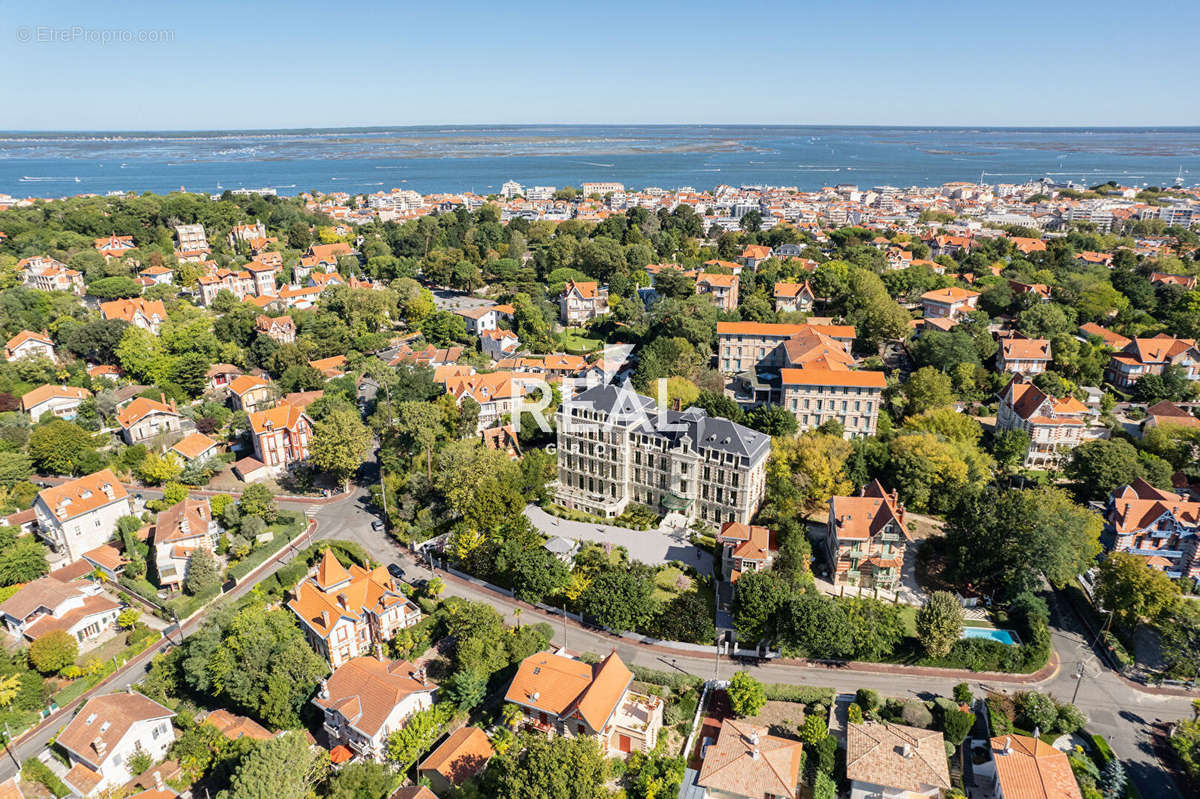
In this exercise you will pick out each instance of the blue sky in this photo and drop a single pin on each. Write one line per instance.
(274, 64)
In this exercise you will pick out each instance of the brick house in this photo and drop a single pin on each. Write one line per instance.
(867, 538)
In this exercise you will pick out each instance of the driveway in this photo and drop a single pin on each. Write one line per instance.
(649, 546)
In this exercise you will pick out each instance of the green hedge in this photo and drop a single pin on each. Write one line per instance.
(800, 694)
(286, 577)
(34, 770)
(676, 681)
(287, 528)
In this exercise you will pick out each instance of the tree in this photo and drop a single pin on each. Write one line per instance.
(418, 424)
(774, 420)
(201, 574)
(824, 787)
(139, 760)
(1100, 466)
(339, 443)
(284, 767)
(1127, 585)
(746, 694)
(813, 729)
(53, 651)
(548, 768)
(22, 560)
(1114, 780)
(1037, 710)
(157, 469)
(362, 779)
(257, 500)
(925, 389)
(467, 689)
(619, 600)
(759, 595)
(804, 472)
(60, 446)
(957, 724)
(939, 623)
(406, 744)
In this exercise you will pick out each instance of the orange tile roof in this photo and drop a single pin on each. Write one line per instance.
(460, 756)
(818, 376)
(126, 310)
(83, 494)
(1114, 340)
(364, 690)
(563, 686)
(120, 711)
(1025, 349)
(727, 281)
(140, 408)
(194, 445)
(330, 367)
(43, 393)
(586, 289)
(26, 336)
(1032, 769)
(282, 417)
(948, 295)
(862, 517)
(82, 779)
(746, 761)
(243, 383)
(792, 290)
(233, 726)
(756, 251)
(186, 519)
(317, 600)
(896, 756)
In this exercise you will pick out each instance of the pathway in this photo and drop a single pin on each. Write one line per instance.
(648, 546)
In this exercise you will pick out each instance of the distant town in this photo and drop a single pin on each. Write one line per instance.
(744, 492)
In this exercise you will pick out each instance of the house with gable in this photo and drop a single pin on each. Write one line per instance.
(248, 393)
(179, 531)
(582, 301)
(791, 297)
(48, 604)
(885, 759)
(146, 314)
(144, 419)
(81, 514)
(867, 538)
(745, 762)
(28, 344)
(345, 613)
(106, 733)
(281, 436)
(747, 547)
(559, 695)
(1025, 356)
(1151, 356)
(1055, 426)
(1160, 526)
(367, 698)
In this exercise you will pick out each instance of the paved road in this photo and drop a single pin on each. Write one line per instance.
(648, 546)
(1122, 714)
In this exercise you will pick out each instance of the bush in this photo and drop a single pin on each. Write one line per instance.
(963, 695)
(1070, 719)
(746, 695)
(826, 755)
(916, 714)
(677, 682)
(1002, 711)
(814, 729)
(824, 787)
(34, 770)
(854, 713)
(1037, 711)
(867, 699)
(801, 694)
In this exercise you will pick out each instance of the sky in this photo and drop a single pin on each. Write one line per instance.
(170, 65)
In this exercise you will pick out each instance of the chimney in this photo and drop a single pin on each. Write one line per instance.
(158, 781)
(325, 618)
(421, 678)
(1007, 745)
(99, 745)
(162, 398)
(173, 405)
(907, 750)
(323, 691)
(379, 652)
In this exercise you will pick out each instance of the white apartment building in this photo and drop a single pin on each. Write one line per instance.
(82, 514)
(615, 447)
(105, 735)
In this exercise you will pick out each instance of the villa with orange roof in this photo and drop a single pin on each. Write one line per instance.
(81, 514)
(237, 282)
(559, 695)
(248, 393)
(144, 419)
(948, 303)
(1151, 356)
(179, 531)
(1166, 413)
(195, 447)
(1055, 426)
(1025, 356)
(582, 301)
(480, 319)
(47, 604)
(28, 344)
(368, 698)
(62, 401)
(755, 254)
(723, 289)
(114, 246)
(46, 274)
(280, 329)
(1092, 330)
(1161, 526)
(497, 343)
(146, 314)
(894, 760)
(1185, 282)
(748, 547)
(1094, 258)
(1022, 767)
(461, 756)
(1026, 246)
(345, 613)
(746, 762)
(333, 366)
(247, 233)
(757, 346)
(496, 392)
(793, 297)
(281, 435)
(867, 538)
(102, 738)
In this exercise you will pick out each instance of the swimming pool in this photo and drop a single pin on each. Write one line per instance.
(1006, 637)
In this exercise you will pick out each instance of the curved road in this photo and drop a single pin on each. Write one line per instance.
(1121, 713)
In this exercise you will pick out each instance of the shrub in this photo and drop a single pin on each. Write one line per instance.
(34, 770)
(801, 694)
(746, 695)
(963, 695)
(826, 755)
(814, 729)
(916, 714)
(1037, 710)
(854, 713)
(957, 726)
(1070, 719)
(680, 683)
(867, 699)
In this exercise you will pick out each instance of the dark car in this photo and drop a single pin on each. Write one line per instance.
(376, 525)
(395, 570)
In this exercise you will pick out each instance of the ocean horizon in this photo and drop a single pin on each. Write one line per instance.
(479, 158)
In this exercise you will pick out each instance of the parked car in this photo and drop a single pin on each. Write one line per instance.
(395, 570)
(377, 525)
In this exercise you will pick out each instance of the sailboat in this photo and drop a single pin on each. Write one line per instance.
(1179, 177)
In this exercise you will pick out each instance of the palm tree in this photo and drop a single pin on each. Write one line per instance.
(517, 615)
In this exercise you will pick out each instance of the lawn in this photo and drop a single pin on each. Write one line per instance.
(576, 342)
(670, 582)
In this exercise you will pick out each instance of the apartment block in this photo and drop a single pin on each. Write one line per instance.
(615, 447)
